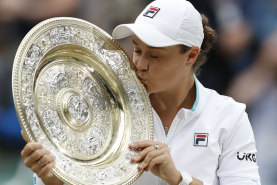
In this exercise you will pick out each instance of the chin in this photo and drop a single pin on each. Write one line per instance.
(148, 89)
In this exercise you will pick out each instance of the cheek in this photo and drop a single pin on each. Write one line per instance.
(159, 76)
(168, 74)
(163, 71)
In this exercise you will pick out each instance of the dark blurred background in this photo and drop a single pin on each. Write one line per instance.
(243, 64)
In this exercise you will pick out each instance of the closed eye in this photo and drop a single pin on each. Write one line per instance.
(137, 49)
(154, 56)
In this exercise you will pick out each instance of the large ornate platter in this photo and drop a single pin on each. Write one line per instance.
(76, 93)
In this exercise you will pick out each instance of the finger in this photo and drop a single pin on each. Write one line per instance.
(24, 136)
(151, 155)
(28, 162)
(141, 155)
(46, 170)
(157, 160)
(36, 167)
(142, 144)
(38, 154)
(46, 159)
(30, 148)
(35, 157)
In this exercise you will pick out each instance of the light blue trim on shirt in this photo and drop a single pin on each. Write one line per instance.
(35, 180)
(197, 95)
(254, 180)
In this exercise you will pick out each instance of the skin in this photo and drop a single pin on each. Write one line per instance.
(167, 75)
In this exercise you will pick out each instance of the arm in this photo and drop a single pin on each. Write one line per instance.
(237, 163)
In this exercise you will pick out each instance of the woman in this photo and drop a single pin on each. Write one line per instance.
(200, 136)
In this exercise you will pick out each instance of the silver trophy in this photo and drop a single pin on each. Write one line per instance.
(75, 91)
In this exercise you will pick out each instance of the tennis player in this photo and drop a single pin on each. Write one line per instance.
(201, 137)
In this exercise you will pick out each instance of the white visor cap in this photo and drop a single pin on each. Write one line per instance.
(165, 23)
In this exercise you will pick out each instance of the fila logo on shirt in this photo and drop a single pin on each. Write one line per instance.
(201, 139)
(151, 12)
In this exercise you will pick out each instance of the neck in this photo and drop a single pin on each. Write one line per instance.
(182, 96)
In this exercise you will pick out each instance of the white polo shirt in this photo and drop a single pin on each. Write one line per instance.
(213, 141)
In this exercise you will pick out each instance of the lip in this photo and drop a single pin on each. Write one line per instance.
(143, 82)
(142, 79)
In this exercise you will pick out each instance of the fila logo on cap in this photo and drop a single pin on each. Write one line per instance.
(201, 139)
(151, 12)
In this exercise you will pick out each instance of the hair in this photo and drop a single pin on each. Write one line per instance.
(207, 44)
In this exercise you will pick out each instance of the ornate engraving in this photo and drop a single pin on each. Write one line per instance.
(51, 120)
(56, 78)
(137, 105)
(62, 34)
(32, 57)
(96, 99)
(94, 141)
(78, 108)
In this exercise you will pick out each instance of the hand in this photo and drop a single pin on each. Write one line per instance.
(41, 161)
(155, 156)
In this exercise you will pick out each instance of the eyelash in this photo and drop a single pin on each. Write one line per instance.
(154, 57)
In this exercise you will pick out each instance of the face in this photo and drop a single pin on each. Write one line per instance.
(161, 69)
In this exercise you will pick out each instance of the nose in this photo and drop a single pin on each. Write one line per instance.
(141, 63)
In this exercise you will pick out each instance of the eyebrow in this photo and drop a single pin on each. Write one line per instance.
(134, 42)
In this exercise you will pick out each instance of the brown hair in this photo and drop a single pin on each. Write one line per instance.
(208, 41)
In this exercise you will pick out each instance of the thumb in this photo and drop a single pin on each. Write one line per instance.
(24, 136)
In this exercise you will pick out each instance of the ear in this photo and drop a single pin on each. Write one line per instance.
(193, 54)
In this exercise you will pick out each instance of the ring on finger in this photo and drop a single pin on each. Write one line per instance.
(156, 146)
(40, 163)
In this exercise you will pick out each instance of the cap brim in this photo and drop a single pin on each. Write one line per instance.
(146, 33)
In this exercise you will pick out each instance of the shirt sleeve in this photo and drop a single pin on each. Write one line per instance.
(237, 162)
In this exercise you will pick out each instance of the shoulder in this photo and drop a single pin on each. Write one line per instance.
(220, 111)
(221, 104)
(225, 115)
(227, 118)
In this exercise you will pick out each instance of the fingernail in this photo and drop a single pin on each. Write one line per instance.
(141, 166)
(132, 148)
(135, 158)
